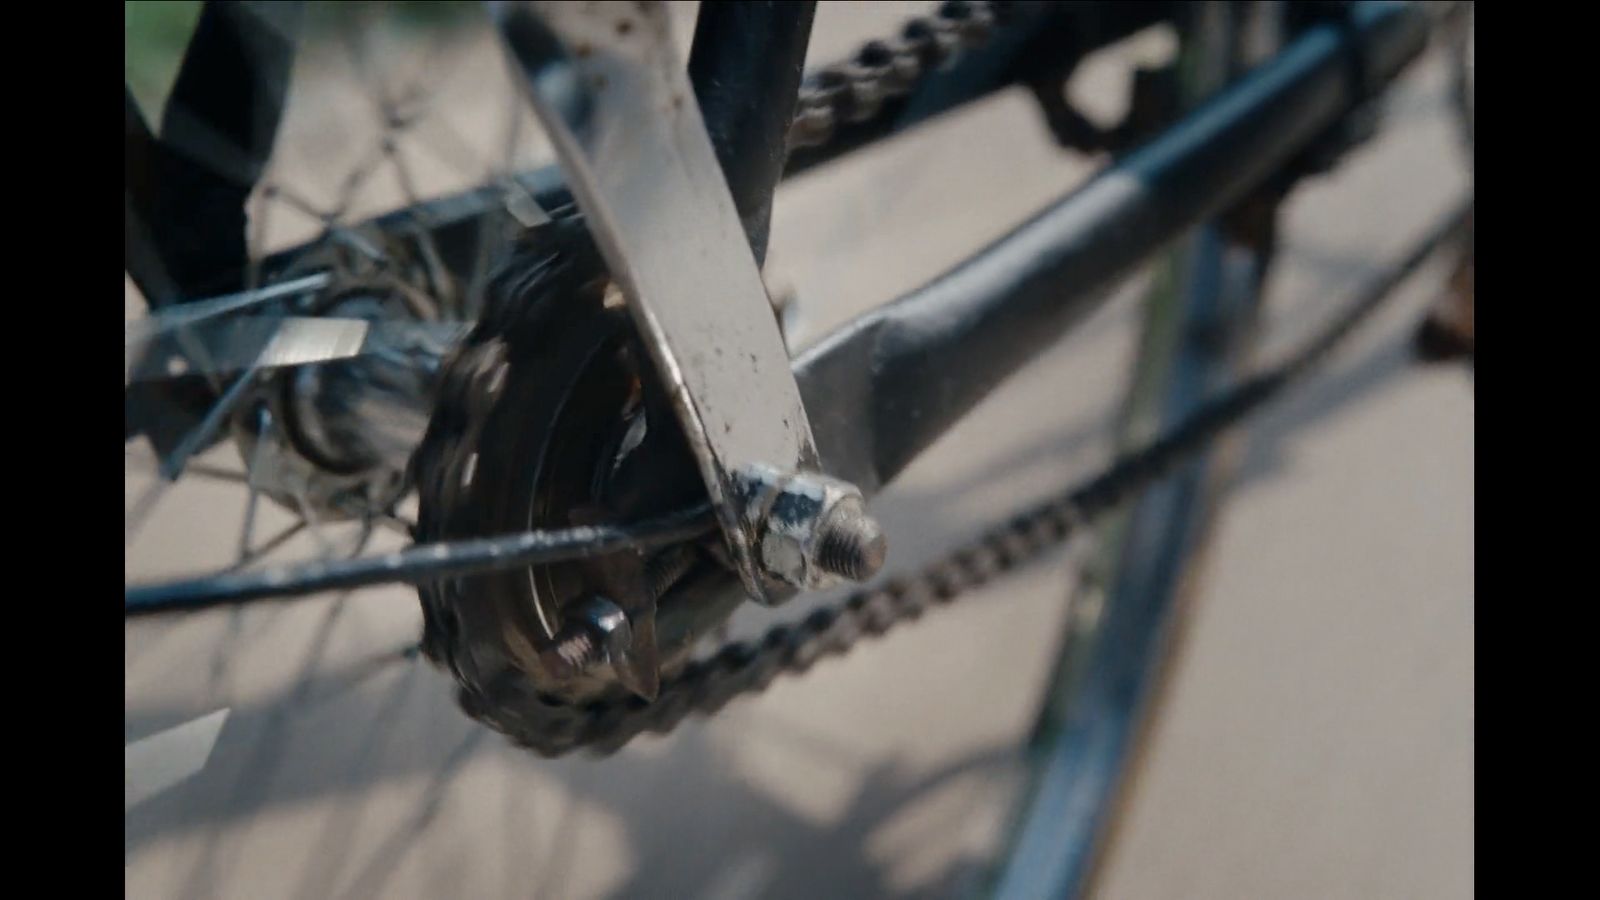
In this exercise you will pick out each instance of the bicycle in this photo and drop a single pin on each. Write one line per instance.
(439, 347)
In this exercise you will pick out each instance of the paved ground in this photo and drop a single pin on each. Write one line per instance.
(1317, 741)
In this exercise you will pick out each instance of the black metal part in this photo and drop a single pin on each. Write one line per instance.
(141, 254)
(745, 64)
(884, 387)
(217, 132)
(185, 191)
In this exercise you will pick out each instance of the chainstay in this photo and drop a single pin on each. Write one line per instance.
(741, 668)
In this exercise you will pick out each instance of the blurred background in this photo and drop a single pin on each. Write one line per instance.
(1316, 739)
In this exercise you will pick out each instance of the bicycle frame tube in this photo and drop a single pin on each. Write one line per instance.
(885, 386)
(745, 65)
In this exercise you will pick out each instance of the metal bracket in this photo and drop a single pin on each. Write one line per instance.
(609, 88)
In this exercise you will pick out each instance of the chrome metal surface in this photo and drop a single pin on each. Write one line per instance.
(813, 530)
(172, 318)
(225, 346)
(610, 90)
(851, 544)
(266, 342)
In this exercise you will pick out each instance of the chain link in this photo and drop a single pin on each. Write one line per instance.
(855, 91)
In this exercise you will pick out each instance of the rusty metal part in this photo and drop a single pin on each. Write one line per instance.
(854, 91)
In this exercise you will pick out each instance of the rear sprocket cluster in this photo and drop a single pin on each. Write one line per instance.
(548, 416)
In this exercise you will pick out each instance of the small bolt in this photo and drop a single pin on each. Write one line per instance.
(598, 630)
(813, 530)
(850, 543)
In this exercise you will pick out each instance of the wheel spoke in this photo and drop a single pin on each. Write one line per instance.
(363, 538)
(141, 509)
(355, 45)
(197, 438)
(201, 435)
(247, 526)
(256, 240)
(216, 473)
(258, 462)
(358, 176)
(397, 524)
(437, 273)
(296, 202)
(330, 224)
(146, 464)
(513, 133)
(271, 544)
(324, 546)
(207, 130)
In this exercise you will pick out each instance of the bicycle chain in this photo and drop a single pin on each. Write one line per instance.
(855, 90)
